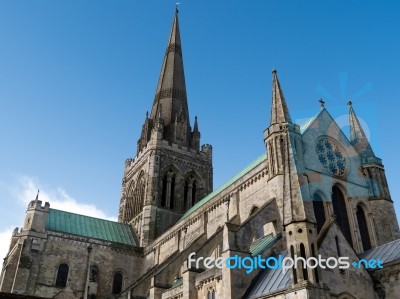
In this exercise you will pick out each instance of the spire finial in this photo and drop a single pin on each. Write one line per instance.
(349, 103)
(273, 70)
(358, 138)
(322, 103)
(37, 195)
(176, 6)
(196, 126)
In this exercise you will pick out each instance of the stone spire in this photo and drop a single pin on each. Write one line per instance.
(279, 110)
(171, 92)
(195, 126)
(195, 141)
(358, 139)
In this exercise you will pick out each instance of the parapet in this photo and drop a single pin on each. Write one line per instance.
(207, 149)
(37, 205)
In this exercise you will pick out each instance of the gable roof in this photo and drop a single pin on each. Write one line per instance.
(85, 226)
(241, 173)
(270, 281)
(387, 253)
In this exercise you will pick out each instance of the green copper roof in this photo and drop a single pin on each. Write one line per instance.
(262, 244)
(304, 126)
(253, 164)
(85, 226)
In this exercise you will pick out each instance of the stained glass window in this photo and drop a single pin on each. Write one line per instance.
(330, 156)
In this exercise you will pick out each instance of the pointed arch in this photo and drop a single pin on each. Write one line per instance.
(303, 263)
(193, 185)
(129, 203)
(363, 228)
(294, 273)
(118, 280)
(340, 210)
(139, 194)
(62, 275)
(168, 189)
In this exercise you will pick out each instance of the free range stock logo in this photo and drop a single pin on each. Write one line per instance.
(249, 264)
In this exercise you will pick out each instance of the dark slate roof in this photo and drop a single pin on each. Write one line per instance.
(90, 227)
(249, 167)
(262, 244)
(387, 253)
(269, 281)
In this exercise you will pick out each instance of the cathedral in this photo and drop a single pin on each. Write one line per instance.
(313, 194)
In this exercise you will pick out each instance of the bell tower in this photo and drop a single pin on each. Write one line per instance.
(171, 171)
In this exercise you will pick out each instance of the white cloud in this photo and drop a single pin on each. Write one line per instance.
(58, 198)
(5, 237)
(25, 191)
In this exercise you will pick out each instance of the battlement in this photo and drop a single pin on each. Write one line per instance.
(206, 146)
(37, 205)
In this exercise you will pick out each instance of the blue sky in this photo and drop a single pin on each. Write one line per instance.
(76, 78)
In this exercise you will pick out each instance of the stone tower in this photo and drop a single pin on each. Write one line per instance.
(283, 141)
(170, 172)
(374, 172)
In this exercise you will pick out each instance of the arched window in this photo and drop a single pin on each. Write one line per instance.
(185, 195)
(211, 294)
(363, 227)
(339, 207)
(303, 266)
(62, 275)
(283, 150)
(168, 190)
(117, 283)
(272, 158)
(316, 268)
(172, 195)
(293, 268)
(139, 195)
(164, 192)
(129, 204)
(190, 192)
(194, 192)
(319, 212)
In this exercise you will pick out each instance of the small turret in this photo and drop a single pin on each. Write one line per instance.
(207, 149)
(195, 136)
(358, 138)
(36, 215)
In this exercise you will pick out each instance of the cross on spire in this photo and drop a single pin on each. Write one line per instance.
(322, 103)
